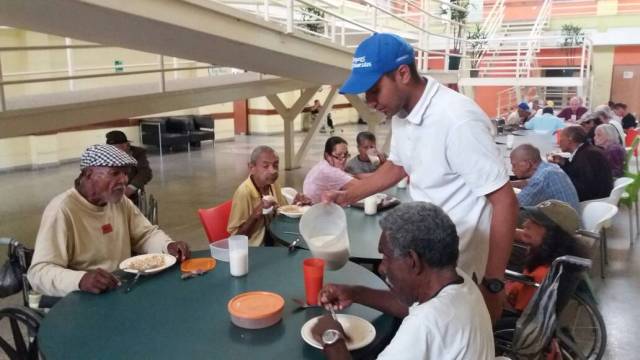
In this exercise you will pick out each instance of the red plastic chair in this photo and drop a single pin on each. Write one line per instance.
(215, 220)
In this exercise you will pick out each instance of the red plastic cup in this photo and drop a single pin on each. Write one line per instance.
(313, 278)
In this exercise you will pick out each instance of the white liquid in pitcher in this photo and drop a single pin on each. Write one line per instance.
(334, 255)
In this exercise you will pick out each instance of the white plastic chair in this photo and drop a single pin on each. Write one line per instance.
(619, 192)
(289, 194)
(596, 217)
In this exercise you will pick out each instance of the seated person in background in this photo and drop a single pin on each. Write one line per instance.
(589, 123)
(548, 230)
(89, 229)
(534, 104)
(574, 111)
(443, 311)
(255, 201)
(607, 139)
(361, 165)
(604, 113)
(139, 175)
(629, 128)
(329, 174)
(520, 116)
(541, 180)
(546, 122)
(620, 110)
(587, 167)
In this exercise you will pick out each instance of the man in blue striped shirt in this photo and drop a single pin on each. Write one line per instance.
(540, 180)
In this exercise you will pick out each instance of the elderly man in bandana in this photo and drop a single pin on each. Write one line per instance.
(89, 229)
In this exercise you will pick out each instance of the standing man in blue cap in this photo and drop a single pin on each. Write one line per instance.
(442, 140)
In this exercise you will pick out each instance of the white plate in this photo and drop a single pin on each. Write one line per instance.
(360, 330)
(296, 214)
(169, 260)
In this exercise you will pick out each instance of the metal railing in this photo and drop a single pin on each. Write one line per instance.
(346, 23)
(72, 73)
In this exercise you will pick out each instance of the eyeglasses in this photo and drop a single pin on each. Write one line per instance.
(341, 157)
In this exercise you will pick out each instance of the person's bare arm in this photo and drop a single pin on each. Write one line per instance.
(503, 225)
(342, 296)
(248, 227)
(387, 175)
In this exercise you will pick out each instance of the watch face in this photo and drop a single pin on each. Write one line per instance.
(494, 285)
(330, 336)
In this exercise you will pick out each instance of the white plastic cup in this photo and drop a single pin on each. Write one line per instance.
(509, 141)
(238, 255)
(373, 157)
(34, 299)
(371, 205)
(573, 117)
(403, 183)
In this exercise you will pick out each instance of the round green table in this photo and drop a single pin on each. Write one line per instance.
(364, 231)
(164, 317)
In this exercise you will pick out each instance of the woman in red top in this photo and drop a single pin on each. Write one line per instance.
(629, 127)
(547, 230)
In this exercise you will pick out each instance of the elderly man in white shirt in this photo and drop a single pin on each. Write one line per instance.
(447, 318)
(450, 157)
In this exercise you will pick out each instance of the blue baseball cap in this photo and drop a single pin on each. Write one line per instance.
(377, 55)
(523, 106)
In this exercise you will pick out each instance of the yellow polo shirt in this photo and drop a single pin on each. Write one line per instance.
(245, 199)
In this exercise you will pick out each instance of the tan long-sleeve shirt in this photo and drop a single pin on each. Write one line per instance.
(76, 236)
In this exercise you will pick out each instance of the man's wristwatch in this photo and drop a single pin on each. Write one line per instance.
(331, 336)
(493, 285)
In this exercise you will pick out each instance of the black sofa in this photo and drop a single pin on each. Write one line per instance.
(171, 133)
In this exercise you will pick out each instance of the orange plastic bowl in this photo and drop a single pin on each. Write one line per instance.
(256, 309)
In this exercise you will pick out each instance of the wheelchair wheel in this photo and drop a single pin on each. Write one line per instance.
(582, 330)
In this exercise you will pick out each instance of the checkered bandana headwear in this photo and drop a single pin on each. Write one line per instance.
(105, 155)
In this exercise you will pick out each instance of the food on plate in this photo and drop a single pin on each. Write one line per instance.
(147, 263)
(291, 209)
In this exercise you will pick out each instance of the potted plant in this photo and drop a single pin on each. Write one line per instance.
(456, 29)
(478, 40)
(311, 19)
(572, 38)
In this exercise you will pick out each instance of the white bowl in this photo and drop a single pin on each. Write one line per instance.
(220, 250)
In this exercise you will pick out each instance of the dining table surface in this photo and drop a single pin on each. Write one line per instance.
(165, 317)
(364, 230)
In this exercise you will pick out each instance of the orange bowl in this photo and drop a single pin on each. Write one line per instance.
(256, 309)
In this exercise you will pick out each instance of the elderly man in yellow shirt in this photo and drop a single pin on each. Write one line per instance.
(255, 201)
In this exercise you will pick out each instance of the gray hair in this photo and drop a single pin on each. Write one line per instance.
(259, 150)
(610, 133)
(603, 111)
(425, 229)
(527, 152)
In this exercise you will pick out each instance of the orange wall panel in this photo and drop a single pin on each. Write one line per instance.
(487, 98)
(626, 55)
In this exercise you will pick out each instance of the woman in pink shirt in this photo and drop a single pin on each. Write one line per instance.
(329, 173)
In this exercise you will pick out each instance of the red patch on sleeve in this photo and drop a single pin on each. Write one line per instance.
(106, 228)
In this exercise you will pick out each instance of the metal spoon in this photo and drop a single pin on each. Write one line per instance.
(292, 246)
(135, 280)
(192, 274)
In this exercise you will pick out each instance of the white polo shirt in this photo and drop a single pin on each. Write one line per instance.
(454, 324)
(445, 146)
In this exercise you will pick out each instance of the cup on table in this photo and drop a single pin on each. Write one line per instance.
(371, 205)
(573, 118)
(403, 183)
(238, 255)
(373, 157)
(313, 269)
(509, 141)
(34, 299)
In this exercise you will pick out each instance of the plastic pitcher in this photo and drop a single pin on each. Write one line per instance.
(324, 228)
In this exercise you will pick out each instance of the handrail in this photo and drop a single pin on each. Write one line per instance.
(78, 69)
(91, 76)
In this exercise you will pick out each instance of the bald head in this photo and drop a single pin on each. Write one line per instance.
(526, 152)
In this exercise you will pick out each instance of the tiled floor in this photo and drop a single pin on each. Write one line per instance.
(184, 182)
